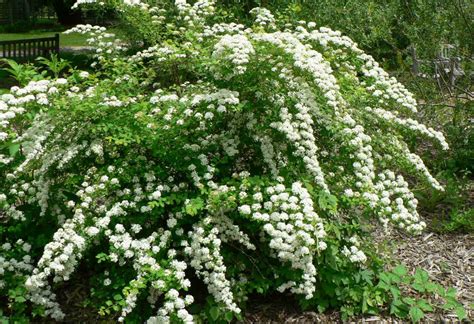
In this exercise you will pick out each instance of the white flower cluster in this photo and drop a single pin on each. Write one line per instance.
(132, 2)
(364, 169)
(86, 2)
(105, 44)
(228, 231)
(222, 29)
(197, 111)
(354, 254)
(409, 124)
(82, 2)
(236, 49)
(112, 101)
(263, 17)
(295, 230)
(125, 247)
(420, 167)
(158, 53)
(9, 264)
(84, 74)
(86, 29)
(206, 258)
(383, 85)
(397, 203)
(196, 13)
(299, 131)
(139, 251)
(307, 60)
(268, 153)
(13, 105)
(173, 303)
(60, 257)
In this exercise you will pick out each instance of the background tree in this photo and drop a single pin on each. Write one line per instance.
(66, 15)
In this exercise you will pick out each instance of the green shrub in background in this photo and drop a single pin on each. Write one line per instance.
(386, 29)
(245, 159)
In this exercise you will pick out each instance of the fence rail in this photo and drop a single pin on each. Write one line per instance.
(25, 49)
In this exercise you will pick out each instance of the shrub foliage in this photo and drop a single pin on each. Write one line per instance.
(248, 158)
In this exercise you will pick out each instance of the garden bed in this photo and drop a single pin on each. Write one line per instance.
(448, 258)
(448, 264)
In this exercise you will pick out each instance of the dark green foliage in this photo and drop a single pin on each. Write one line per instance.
(385, 29)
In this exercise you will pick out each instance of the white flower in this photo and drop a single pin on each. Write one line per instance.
(92, 231)
(245, 209)
(84, 74)
(156, 195)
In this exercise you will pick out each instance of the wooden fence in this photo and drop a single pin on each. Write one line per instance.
(445, 69)
(26, 49)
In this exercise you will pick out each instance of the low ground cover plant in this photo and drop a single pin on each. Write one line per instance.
(248, 159)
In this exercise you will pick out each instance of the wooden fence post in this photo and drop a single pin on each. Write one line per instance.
(29, 48)
(56, 47)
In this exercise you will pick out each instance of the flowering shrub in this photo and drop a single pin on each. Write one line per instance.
(246, 158)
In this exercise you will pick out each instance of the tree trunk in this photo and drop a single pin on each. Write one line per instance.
(66, 16)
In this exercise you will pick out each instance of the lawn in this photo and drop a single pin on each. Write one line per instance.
(65, 40)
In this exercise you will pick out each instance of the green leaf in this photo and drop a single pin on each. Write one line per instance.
(327, 202)
(394, 278)
(424, 305)
(385, 278)
(194, 206)
(382, 285)
(400, 270)
(395, 292)
(101, 257)
(364, 303)
(431, 287)
(214, 312)
(451, 292)
(20, 299)
(366, 275)
(408, 300)
(421, 276)
(357, 277)
(229, 316)
(337, 232)
(418, 287)
(451, 303)
(118, 297)
(13, 149)
(416, 314)
(461, 313)
(321, 308)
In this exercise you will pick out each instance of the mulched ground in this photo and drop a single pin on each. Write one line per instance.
(448, 258)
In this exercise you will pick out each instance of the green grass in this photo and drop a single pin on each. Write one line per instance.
(64, 40)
